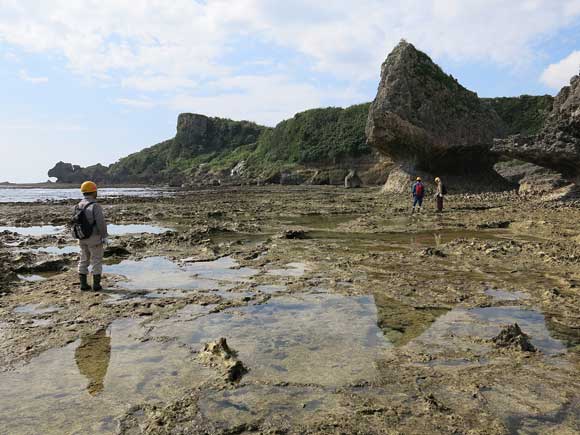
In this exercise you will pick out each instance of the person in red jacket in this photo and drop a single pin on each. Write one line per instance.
(418, 192)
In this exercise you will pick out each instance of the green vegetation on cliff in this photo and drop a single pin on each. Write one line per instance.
(522, 115)
(205, 146)
(329, 138)
(317, 136)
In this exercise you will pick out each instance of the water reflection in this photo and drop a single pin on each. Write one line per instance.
(402, 323)
(92, 357)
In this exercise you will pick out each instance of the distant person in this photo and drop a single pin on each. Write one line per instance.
(440, 192)
(418, 191)
(90, 228)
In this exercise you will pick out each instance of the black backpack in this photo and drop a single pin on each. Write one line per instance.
(444, 189)
(81, 228)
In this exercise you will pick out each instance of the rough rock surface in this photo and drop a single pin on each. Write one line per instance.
(219, 355)
(512, 337)
(352, 180)
(425, 120)
(317, 146)
(69, 173)
(557, 145)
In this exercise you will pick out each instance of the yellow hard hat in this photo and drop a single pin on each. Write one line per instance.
(88, 187)
(418, 178)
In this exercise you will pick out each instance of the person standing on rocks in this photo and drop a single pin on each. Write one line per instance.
(418, 191)
(440, 192)
(90, 228)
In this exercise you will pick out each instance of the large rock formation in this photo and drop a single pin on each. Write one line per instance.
(317, 146)
(199, 134)
(427, 122)
(69, 173)
(557, 145)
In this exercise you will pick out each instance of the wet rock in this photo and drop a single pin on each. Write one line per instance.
(352, 180)
(219, 355)
(513, 337)
(116, 251)
(433, 252)
(294, 234)
(494, 224)
(44, 266)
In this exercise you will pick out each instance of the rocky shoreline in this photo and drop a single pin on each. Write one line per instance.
(347, 314)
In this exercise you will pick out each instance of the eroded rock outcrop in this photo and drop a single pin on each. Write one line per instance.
(426, 121)
(69, 173)
(512, 337)
(557, 145)
(219, 355)
(317, 146)
(352, 180)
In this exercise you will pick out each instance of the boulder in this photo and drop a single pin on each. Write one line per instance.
(219, 355)
(239, 169)
(557, 145)
(294, 233)
(352, 180)
(291, 178)
(512, 337)
(116, 251)
(425, 121)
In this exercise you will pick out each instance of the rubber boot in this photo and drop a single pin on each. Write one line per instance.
(97, 283)
(84, 282)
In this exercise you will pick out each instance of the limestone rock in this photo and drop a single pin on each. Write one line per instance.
(294, 233)
(557, 145)
(200, 134)
(512, 337)
(425, 120)
(219, 355)
(116, 251)
(352, 180)
(239, 169)
(69, 173)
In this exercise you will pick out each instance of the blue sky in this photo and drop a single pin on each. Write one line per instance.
(89, 82)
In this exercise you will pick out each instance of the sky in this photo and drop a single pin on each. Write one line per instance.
(90, 81)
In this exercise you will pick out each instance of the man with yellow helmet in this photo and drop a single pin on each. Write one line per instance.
(90, 228)
(418, 192)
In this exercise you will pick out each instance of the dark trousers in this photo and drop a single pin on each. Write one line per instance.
(439, 203)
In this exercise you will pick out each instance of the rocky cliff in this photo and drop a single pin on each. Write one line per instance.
(557, 144)
(426, 121)
(318, 146)
(525, 114)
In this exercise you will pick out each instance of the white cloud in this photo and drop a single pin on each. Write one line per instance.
(186, 39)
(558, 74)
(181, 48)
(23, 74)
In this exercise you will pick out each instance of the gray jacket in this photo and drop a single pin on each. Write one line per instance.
(95, 216)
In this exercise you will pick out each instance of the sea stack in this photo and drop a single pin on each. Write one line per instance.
(428, 123)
